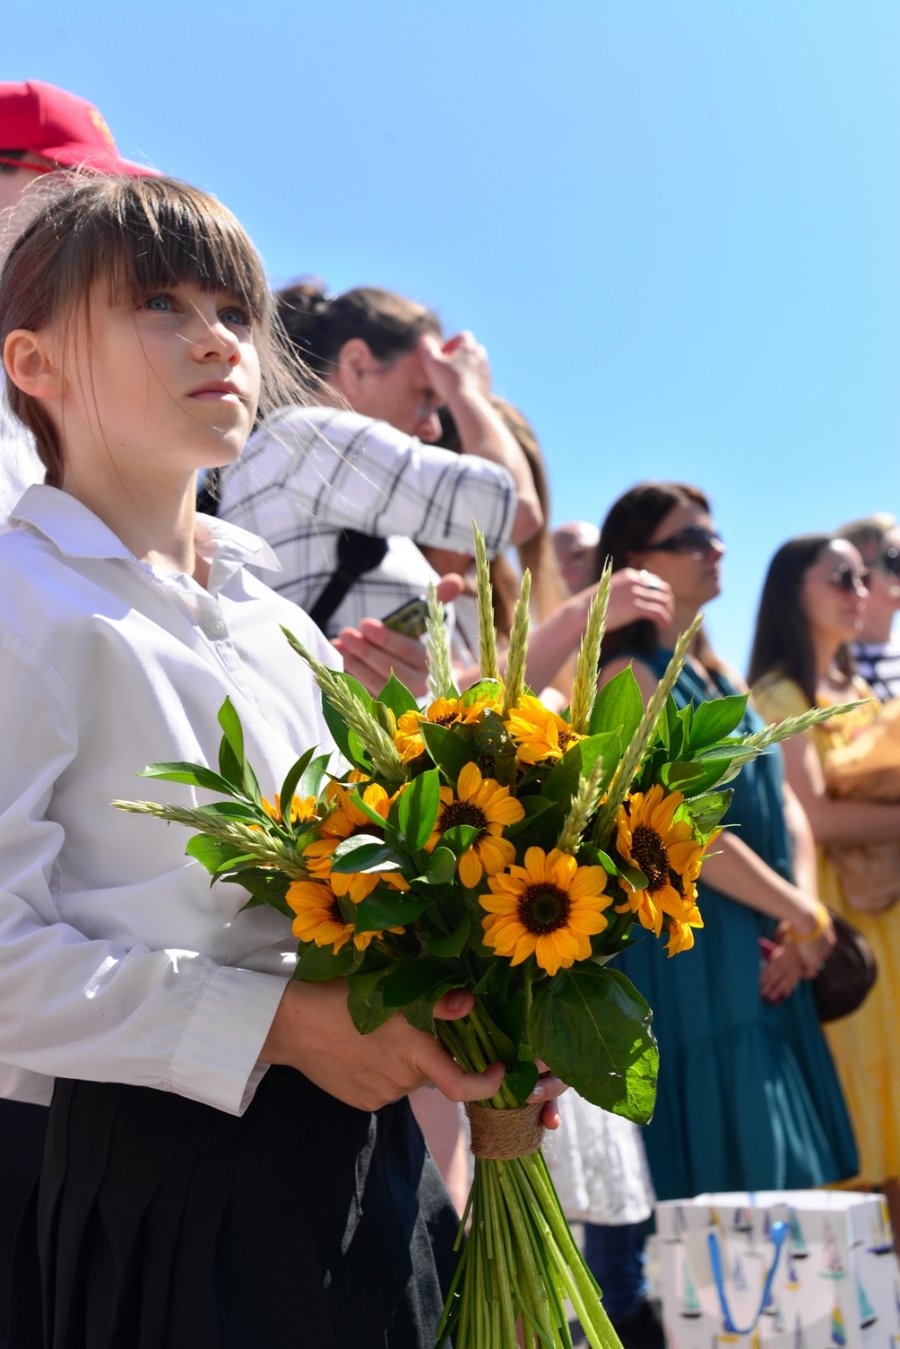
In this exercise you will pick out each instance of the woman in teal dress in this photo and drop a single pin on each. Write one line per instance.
(748, 1095)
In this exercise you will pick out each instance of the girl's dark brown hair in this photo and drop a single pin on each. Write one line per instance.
(781, 641)
(630, 524)
(318, 325)
(137, 235)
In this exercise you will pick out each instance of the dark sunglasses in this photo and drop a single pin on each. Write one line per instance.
(848, 580)
(692, 541)
(889, 562)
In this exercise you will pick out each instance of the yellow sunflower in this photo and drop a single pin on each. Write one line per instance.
(301, 809)
(484, 804)
(665, 850)
(539, 733)
(319, 918)
(442, 712)
(550, 907)
(344, 821)
(681, 936)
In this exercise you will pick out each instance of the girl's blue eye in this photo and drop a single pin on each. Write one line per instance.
(236, 314)
(158, 302)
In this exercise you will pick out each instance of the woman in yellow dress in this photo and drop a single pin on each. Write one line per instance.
(811, 607)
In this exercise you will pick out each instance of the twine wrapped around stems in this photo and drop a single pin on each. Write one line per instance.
(501, 1135)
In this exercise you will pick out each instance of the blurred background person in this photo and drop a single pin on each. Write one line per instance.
(876, 647)
(575, 545)
(748, 1097)
(811, 608)
(345, 497)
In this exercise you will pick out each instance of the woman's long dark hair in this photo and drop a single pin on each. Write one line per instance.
(629, 525)
(781, 642)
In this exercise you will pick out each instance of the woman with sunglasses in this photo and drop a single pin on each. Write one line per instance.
(811, 608)
(748, 1097)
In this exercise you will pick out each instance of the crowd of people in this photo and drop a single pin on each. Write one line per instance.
(145, 1198)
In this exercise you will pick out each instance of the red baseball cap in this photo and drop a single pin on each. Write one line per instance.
(59, 126)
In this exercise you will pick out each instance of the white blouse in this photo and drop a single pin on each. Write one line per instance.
(118, 960)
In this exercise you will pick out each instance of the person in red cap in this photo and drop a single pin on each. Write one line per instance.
(43, 130)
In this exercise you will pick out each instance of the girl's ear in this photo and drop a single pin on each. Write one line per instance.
(31, 363)
(353, 360)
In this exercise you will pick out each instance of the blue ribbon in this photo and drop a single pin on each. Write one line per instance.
(778, 1232)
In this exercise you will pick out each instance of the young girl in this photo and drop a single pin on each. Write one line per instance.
(192, 1194)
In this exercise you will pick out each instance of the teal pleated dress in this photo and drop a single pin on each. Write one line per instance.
(748, 1095)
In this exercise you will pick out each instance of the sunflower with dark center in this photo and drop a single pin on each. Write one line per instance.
(345, 821)
(487, 807)
(539, 734)
(549, 908)
(442, 712)
(319, 918)
(650, 838)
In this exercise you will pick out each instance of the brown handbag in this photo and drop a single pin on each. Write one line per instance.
(847, 974)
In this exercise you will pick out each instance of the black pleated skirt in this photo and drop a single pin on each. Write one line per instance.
(159, 1223)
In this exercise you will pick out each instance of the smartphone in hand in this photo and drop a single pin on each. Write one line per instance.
(409, 618)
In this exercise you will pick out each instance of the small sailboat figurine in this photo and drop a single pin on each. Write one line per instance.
(690, 1303)
(882, 1236)
(834, 1267)
(793, 1278)
(799, 1248)
(838, 1330)
(738, 1277)
(867, 1315)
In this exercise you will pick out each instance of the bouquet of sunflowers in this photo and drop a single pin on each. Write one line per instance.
(488, 843)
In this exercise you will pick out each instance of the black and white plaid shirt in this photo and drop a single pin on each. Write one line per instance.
(308, 473)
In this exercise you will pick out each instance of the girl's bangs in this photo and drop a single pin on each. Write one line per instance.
(158, 238)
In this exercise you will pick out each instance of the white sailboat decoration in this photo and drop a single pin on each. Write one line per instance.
(799, 1248)
(834, 1266)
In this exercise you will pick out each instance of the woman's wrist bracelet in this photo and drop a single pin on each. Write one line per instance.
(823, 919)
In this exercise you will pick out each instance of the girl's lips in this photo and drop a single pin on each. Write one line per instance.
(216, 389)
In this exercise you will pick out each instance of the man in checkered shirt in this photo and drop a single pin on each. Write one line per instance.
(310, 472)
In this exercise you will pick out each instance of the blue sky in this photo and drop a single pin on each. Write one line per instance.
(676, 226)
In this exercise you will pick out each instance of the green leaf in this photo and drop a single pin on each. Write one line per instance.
(486, 690)
(365, 1001)
(705, 812)
(397, 697)
(386, 908)
(212, 853)
(195, 775)
(521, 1078)
(232, 763)
(441, 867)
(449, 946)
(311, 780)
(618, 706)
(361, 853)
(694, 776)
(420, 1015)
(347, 741)
(459, 838)
(563, 779)
(716, 719)
(417, 809)
(266, 887)
(447, 749)
(592, 1028)
(632, 874)
(236, 810)
(318, 964)
(418, 978)
(289, 786)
